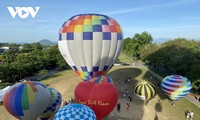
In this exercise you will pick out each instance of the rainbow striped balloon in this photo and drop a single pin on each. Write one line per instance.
(56, 100)
(90, 43)
(176, 86)
(99, 79)
(27, 100)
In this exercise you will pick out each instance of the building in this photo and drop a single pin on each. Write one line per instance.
(2, 49)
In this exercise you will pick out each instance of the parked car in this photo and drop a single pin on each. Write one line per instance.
(117, 64)
(125, 64)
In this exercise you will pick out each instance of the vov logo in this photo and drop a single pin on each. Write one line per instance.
(23, 12)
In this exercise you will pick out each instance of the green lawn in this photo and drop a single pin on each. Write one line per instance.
(124, 58)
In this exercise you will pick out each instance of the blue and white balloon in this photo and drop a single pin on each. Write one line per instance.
(75, 112)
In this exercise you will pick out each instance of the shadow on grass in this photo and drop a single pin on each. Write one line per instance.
(158, 106)
(157, 83)
(149, 77)
(119, 75)
(136, 110)
(118, 117)
(52, 76)
(55, 75)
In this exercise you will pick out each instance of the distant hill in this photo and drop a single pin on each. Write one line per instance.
(161, 40)
(46, 42)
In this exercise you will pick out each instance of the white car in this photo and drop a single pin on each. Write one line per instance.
(117, 64)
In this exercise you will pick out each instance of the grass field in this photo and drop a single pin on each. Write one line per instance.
(66, 81)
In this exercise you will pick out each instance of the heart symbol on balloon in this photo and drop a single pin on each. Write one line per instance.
(101, 97)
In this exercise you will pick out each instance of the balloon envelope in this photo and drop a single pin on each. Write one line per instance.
(75, 112)
(90, 43)
(99, 79)
(55, 102)
(27, 100)
(145, 90)
(101, 97)
(176, 86)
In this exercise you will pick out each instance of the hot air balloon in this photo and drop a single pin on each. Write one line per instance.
(55, 102)
(99, 79)
(101, 97)
(75, 112)
(176, 86)
(27, 100)
(90, 43)
(144, 90)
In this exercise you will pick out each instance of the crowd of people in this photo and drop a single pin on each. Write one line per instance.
(125, 94)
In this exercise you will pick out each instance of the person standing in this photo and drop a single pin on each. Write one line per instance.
(188, 115)
(118, 107)
(129, 80)
(156, 117)
(191, 115)
(130, 98)
(127, 106)
(158, 85)
(126, 92)
(64, 102)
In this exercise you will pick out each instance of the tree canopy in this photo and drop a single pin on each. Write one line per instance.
(178, 56)
(132, 46)
(33, 59)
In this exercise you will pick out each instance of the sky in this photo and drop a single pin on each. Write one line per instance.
(161, 18)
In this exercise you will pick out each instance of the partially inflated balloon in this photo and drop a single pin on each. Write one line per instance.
(55, 102)
(145, 90)
(27, 100)
(101, 97)
(75, 112)
(176, 86)
(90, 43)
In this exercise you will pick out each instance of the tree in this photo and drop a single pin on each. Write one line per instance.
(36, 46)
(26, 48)
(125, 43)
(148, 50)
(8, 56)
(143, 39)
(133, 46)
(43, 73)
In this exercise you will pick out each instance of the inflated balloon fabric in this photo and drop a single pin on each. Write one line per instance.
(145, 90)
(101, 97)
(100, 79)
(176, 86)
(90, 43)
(27, 100)
(75, 112)
(55, 103)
